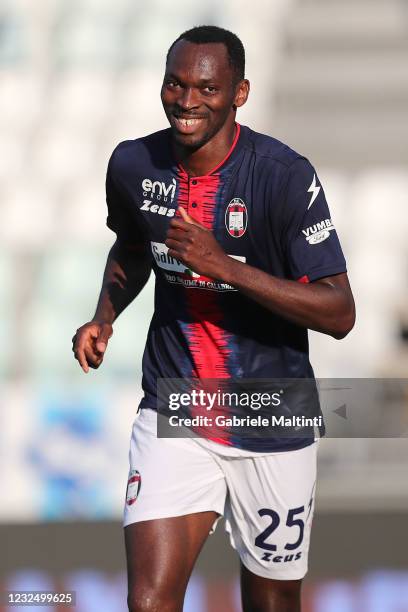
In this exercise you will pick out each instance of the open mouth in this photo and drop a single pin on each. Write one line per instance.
(187, 125)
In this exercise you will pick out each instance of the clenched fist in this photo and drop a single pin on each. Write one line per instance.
(90, 342)
(194, 245)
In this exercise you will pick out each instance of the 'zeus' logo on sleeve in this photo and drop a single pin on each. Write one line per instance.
(318, 232)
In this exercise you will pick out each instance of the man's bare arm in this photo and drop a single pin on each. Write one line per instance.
(326, 305)
(126, 272)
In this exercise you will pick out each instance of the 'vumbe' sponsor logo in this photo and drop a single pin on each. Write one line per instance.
(159, 190)
(318, 232)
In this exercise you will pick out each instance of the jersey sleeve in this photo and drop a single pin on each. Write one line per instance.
(311, 244)
(120, 218)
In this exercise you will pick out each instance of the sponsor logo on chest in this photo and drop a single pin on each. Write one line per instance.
(181, 274)
(318, 232)
(166, 262)
(157, 209)
(158, 190)
(161, 197)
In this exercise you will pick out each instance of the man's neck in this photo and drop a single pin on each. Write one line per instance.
(206, 158)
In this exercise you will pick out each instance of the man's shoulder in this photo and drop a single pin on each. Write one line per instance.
(269, 148)
(152, 149)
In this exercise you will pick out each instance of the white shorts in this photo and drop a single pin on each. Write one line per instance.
(267, 500)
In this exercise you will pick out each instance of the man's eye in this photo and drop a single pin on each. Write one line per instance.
(210, 89)
(172, 84)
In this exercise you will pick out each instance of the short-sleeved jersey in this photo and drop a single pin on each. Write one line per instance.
(266, 207)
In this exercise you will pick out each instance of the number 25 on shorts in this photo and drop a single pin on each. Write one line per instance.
(292, 520)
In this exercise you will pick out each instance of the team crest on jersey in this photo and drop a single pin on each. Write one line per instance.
(133, 487)
(236, 218)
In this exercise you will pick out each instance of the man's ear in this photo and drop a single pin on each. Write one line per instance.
(242, 93)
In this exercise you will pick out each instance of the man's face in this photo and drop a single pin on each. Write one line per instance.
(198, 92)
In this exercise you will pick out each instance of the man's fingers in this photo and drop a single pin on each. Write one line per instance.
(176, 234)
(89, 344)
(102, 340)
(86, 356)
(188, 218)
(174, 245)
(80, 356)
(93, 359)
(180, 224)
(81, 346)
(79, 350)
(184, 215)
(177, 255)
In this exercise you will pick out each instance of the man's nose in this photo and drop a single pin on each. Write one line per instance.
(188, 99)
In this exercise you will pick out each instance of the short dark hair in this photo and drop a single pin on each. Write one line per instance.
(204, 34)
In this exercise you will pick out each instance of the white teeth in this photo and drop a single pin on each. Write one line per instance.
(187, 122)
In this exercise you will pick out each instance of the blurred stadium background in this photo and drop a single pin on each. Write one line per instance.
(330, 78)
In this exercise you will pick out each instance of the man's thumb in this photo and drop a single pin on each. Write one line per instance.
(188, 218)
(103, 337)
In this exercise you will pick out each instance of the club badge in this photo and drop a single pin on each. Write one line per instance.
(236, 218)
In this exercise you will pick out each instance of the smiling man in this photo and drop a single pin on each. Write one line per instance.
(237, 230)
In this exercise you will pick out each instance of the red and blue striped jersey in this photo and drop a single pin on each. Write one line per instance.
(265, 205)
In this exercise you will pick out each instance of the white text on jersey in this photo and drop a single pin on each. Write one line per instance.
(157, 209)
(159, 190)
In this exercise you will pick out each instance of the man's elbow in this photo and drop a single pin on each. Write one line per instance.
(344, 324)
